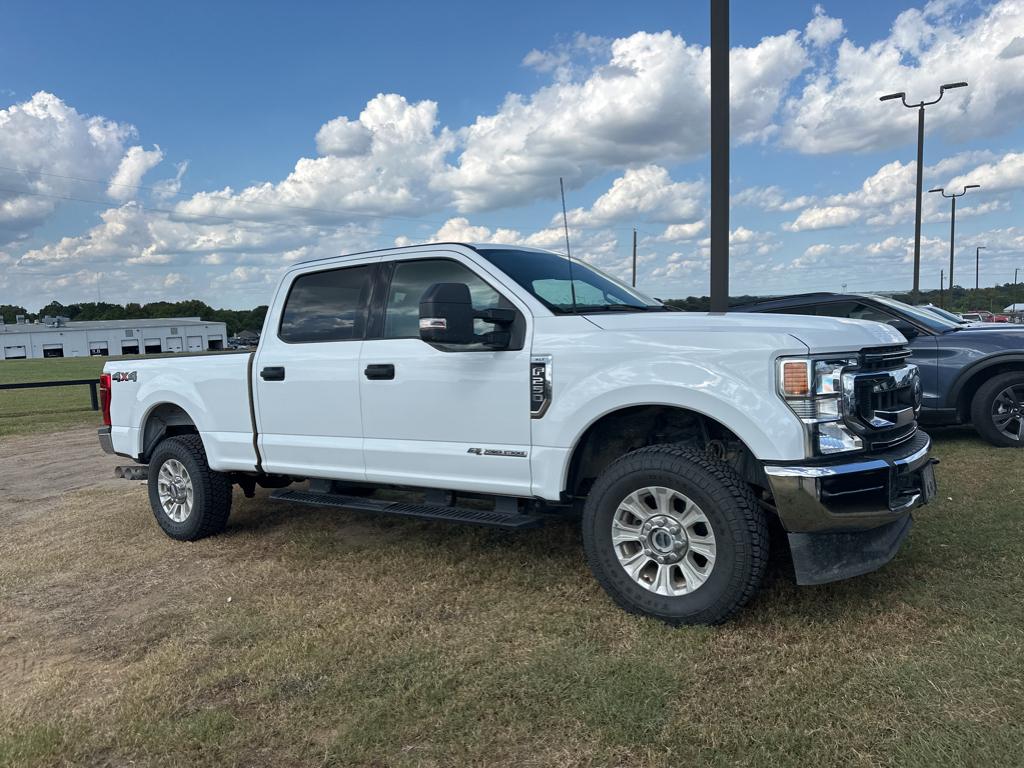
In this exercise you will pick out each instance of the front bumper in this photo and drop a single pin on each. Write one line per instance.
(847, 518)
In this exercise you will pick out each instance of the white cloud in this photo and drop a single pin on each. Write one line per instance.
(166, 189)
(390, 174)
(136, 163)
(824, 217)
(647, 102)
(823, 30)
(50, 142)
(838, 110)
(644, 194)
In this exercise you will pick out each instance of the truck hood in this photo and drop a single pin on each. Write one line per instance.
(819, 334)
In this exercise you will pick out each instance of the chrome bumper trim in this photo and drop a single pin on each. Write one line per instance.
(804, 508)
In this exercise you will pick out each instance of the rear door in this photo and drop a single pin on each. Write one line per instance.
(447, 417)
(305, 383)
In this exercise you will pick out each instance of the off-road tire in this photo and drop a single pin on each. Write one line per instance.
(981, 408)
(736, 519)
(211, 490)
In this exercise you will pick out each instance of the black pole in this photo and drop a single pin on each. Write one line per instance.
(719, 155)
(92, 395)
(634, 257)
(977, 267)
(952, 235)
(942, 288)
(917, 212)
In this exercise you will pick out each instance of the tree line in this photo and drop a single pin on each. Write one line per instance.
(236, 319)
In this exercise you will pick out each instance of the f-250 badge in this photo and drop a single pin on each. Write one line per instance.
(124, 376)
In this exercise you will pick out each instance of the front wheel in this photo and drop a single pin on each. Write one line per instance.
(997, 410)
(674, 534)
(190, 501)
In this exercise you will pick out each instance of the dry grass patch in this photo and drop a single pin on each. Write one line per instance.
(352, 640)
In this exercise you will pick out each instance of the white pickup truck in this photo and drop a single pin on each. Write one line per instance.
(505, 385)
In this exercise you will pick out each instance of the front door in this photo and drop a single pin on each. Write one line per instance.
(305, 375)
(444, 417)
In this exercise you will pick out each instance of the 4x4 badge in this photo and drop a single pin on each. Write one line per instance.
(124, 376)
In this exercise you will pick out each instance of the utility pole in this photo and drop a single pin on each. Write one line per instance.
(920, 169)
(977, 266)
(719, 155)
(942, 288)
(634, 257)
(952, 224)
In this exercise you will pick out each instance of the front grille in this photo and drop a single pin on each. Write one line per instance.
(883, 358)
(882, 395)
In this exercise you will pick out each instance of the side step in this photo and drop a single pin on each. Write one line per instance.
(492, 518)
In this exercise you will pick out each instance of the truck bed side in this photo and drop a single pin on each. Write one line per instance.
(210, 391)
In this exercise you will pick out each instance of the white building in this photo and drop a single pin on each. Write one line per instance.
(59, 337)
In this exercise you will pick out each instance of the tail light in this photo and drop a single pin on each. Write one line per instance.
(105, 397)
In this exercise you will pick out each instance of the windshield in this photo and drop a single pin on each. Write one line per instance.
(943, 313)
(920, 316)
(546, 276)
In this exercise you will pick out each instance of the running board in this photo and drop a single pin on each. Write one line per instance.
(487, 517)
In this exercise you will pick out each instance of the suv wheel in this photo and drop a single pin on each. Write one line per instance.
(189, 500)
(674, 534)
(997, 410)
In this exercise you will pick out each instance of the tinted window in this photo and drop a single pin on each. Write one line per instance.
(854, 310)
(327, 306)
(410, 281)
(546, 275)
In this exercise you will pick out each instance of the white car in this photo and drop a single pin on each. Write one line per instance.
(546, 387)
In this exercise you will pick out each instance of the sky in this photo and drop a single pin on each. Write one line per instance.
(165, 151)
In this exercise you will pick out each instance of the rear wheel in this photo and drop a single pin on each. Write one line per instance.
(674, 534)
(997, 410)
(189, 500)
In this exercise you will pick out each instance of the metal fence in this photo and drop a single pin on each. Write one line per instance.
(91, 383)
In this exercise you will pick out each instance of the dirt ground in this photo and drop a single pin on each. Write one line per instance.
(36, 470)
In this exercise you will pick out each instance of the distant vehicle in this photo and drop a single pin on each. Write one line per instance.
(971, 374)
(978, 316)
(544, 386)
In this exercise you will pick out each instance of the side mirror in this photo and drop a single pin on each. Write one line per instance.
(907, 329)
(446, 314)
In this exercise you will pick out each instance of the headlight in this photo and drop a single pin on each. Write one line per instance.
(813, 390)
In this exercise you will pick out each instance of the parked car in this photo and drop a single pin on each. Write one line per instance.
(953, 317)
(544, 386)
(971, 374)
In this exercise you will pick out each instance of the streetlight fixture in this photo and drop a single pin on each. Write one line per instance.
(952, 224)
(920, 167)
(977, 264)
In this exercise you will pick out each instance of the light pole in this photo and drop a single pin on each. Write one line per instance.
(1015, 283)
(952, 224)
(977, 264)
(942, 287)
(920, 168)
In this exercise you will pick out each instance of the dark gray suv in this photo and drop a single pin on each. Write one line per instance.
(970, 374)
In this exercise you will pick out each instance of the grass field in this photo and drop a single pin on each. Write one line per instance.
(309, 637)
(23, 411)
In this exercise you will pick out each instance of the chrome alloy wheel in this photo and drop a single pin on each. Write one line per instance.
(1008, 412)
(664, 541)
(175, 489)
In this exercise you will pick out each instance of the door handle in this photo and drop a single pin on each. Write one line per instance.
(380, 371)
(272, 373)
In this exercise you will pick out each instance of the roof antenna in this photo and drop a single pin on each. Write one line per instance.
(568, 252)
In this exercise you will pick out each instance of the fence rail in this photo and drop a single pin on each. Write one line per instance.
(91, 383)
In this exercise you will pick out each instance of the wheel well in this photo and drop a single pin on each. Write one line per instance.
(619, 432)
(974, 382)
(166, 420)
